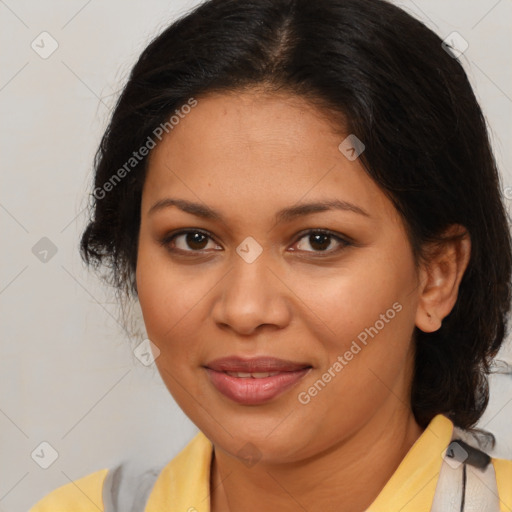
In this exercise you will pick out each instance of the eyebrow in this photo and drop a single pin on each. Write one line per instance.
(286, 214)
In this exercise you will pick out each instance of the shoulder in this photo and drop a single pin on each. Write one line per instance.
(185, 480)
(503, 470)
(128, 485)
(82, 495)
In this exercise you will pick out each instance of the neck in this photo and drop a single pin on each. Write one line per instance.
(346, 478)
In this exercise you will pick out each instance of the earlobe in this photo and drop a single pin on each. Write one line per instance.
(427, 322)
(440, 278)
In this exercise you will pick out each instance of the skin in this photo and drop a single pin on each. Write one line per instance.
(248, 155)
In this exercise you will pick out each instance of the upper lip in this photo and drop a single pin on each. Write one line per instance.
(256, 364)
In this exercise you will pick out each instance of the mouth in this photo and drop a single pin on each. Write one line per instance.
(254, 381)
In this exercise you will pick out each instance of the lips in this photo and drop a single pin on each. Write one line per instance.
(254, 381)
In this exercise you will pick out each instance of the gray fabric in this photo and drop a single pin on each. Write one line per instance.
(127, 488)
(481, 490)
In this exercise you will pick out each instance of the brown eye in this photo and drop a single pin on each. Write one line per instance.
(196, 241)
(188, 241)
(321, 241)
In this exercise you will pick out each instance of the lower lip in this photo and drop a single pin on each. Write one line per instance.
(249, 391)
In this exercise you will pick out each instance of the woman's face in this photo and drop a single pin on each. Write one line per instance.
(252, 282)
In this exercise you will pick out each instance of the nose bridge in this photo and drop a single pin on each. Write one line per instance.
(251, 294)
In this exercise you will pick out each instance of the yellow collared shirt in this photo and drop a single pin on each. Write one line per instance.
(183, 485)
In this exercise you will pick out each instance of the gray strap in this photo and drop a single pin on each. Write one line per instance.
(126, 488)
(467, 481)
(482, 490)
(448, 496)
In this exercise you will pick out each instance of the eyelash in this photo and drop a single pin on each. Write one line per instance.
(166, 241)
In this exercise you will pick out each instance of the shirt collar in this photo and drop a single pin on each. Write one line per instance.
(412, 486)
(184, 483)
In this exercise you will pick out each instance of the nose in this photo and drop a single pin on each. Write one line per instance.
(252, 296)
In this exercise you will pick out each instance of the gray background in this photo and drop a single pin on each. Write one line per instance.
(68, 373)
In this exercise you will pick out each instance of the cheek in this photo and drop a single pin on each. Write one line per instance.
(343, 303)
(174, 303)
(167, 300)
(165, 295)
(367, 314)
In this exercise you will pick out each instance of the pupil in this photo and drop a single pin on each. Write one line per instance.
(195, 238)
(316, 239)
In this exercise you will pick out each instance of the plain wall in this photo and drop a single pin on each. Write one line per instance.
(68, 374)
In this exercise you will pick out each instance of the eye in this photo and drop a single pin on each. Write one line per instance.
(321, 241)
(194, 240)
(188, 241)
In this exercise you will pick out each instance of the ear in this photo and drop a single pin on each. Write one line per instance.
(440, 277)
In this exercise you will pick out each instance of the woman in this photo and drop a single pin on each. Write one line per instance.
(303, 198)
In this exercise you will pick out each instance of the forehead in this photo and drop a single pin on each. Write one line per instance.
(254, 149)
(244, 120)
